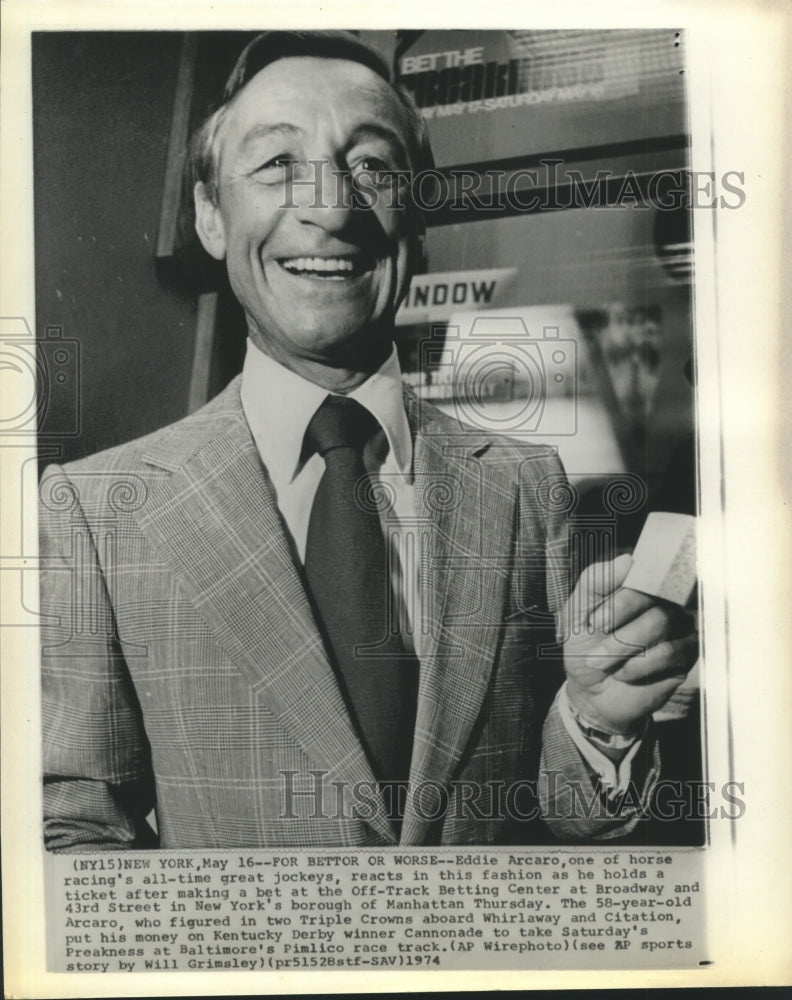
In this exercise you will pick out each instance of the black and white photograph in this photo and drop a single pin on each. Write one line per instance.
(264, 648)
(368, 460)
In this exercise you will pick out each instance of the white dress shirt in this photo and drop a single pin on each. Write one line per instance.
(278, 405)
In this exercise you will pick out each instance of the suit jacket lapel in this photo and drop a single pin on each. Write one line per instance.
(215, 523)
(466, 559)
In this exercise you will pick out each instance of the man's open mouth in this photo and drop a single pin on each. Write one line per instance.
(330, 268)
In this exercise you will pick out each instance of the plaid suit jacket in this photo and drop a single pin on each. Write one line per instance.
(183, 670)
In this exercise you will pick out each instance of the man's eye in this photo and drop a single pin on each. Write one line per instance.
(280, 162)
(372, 171)
(370, 165)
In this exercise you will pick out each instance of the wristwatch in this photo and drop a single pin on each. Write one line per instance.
(603, 737)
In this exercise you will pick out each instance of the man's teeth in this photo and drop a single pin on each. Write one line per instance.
(326, 266)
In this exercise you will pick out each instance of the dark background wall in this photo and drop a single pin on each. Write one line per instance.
(102, 111)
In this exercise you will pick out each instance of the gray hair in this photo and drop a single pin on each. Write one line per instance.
(270, 46)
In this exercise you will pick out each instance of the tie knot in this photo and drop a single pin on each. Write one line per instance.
(339, 422)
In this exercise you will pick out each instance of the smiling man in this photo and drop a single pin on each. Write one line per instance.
(319, 280)
(318, 612)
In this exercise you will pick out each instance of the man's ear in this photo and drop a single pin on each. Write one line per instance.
(208, 222)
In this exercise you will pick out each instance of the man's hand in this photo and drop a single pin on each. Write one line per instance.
(625, 653)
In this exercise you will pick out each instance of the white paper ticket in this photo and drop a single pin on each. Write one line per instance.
(664, 560)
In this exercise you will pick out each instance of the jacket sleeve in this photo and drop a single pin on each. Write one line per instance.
(98, 782)
(574, 804)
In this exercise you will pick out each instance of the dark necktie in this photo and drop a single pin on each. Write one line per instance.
(347, 571)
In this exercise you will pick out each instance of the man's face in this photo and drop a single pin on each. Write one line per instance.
(318, 278)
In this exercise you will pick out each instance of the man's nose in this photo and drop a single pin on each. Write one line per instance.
(320, 192)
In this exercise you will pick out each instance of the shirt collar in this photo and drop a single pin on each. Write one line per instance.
(278, 405)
